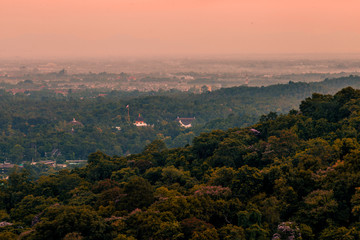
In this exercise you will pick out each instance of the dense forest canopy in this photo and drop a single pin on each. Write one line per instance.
(289, 176)
(36, 126)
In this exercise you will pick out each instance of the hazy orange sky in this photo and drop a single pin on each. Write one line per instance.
(170, 27)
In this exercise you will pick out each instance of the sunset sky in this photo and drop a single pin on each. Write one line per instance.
(74, 28)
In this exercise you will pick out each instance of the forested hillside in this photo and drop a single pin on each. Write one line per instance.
(37, 125)
(290, 176)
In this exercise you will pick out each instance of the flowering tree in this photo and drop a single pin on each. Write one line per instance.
(287, 231)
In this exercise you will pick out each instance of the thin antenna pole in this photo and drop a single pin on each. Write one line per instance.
(128, 116)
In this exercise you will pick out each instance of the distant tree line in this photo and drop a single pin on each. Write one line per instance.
(35, 126)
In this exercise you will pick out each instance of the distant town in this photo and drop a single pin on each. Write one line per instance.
(190, 75)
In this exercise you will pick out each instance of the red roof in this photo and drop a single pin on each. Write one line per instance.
(139, 118)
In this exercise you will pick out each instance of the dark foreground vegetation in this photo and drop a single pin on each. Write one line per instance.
(293, 176)
(36, 125)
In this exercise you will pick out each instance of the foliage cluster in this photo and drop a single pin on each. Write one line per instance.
(299, 178)
(37, 126)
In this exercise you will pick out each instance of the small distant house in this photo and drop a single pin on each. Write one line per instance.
(15, 91)
(6, 167)
(76, 163)
(49, 163)
(76, 123)
(185, 122)
(139, 122)
(61, 92)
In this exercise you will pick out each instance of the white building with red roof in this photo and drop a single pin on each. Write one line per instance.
(139, 122)
(185, 122)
